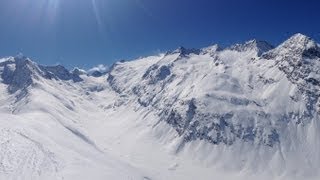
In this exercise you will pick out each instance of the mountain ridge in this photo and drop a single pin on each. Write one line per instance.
(245, 108)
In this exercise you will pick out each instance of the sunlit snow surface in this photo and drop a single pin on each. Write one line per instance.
(187, 114)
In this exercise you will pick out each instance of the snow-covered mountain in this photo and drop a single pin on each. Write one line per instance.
(243, 112)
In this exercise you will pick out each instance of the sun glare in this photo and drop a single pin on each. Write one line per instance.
(96, 13)
(52, 7)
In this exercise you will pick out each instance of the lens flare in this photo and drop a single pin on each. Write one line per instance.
(44, 11)
(51, 8)
(96, 13)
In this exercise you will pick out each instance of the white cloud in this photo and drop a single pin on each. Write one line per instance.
(100, 68)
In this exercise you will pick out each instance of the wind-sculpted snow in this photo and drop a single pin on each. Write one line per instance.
(245, 111)
(22, 156)
(43, 138)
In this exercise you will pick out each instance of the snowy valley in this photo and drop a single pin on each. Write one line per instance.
(249, 111)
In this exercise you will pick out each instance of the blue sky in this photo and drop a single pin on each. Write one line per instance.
(84, 33)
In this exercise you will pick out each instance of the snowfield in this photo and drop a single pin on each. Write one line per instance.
(249, 111)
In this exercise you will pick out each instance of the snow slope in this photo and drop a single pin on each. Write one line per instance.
(244, 112)
(42, 136)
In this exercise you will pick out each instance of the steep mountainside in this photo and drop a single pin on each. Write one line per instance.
(246, 111)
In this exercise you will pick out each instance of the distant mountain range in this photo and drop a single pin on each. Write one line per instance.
(248, 111)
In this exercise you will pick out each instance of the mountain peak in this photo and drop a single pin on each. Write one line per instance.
(253, 45)
(59, 72)
(78, 71)
(298, 46)
(299, 42)
(19, 72)
(185, 51)
(299, 36)
(211, 49)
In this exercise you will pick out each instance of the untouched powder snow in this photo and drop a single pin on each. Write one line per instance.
(249, 111)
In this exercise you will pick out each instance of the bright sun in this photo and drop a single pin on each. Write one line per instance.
(49, 12)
